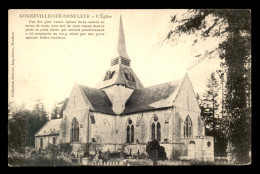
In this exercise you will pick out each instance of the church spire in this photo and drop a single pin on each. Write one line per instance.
(121, 46)
(120, 72)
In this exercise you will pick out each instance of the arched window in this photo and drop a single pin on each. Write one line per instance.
(178, 125)
(130, 132)
(54, 140)
(156, 129)
(187, 127)
(153, 131)
(158, 132)
(199, 126)
(41, 143)
(74, 130)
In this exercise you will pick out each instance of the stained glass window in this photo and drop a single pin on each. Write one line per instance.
(187, 127)
(75, 130)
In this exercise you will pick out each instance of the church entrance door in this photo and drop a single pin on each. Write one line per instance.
(191, 150)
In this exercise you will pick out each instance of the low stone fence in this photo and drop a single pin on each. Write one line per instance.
(86, 162)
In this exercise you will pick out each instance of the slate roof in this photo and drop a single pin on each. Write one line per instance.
(144, 99)
(119, 78)
(153, 97)
(98, 99)
(122, 80)
(52, 127)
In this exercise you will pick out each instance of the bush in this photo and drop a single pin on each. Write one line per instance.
(105, 156)
(142, 156)
(61, 161)
(53, 152)
(115, 155)
(124, 154)
(162, 153)
(65, 147)
(86, 155)
(176, 154)
(17, 159)
(33, 152)
(51, 156)
(154, 146)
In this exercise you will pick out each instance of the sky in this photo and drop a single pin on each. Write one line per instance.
(48, 69)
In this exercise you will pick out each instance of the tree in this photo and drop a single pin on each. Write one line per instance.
(17, 128)
(55, 113)
(58, 109)
(37, 119)
(234, 29)
(40, 112)
(212, 115)
(23, 124)
(210, 102)
(221, 73)
(154, 146)
(203, 112)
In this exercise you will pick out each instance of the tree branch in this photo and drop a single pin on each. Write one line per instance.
(206, 33)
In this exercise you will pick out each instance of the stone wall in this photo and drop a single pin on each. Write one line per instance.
(46, 140)
(203, 148)
(102, 130)
(113, 129)
(208, 144)
(185, 105)
(142, 124)
(77, 107)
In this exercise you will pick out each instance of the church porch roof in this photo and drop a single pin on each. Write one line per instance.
(52, 127)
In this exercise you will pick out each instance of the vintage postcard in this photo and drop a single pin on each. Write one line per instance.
(132, 87)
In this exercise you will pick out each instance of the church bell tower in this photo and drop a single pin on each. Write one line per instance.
(120, 80)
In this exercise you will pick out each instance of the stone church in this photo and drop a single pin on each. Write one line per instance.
(120, 114)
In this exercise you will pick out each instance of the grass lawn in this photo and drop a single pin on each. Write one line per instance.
(145, 162)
